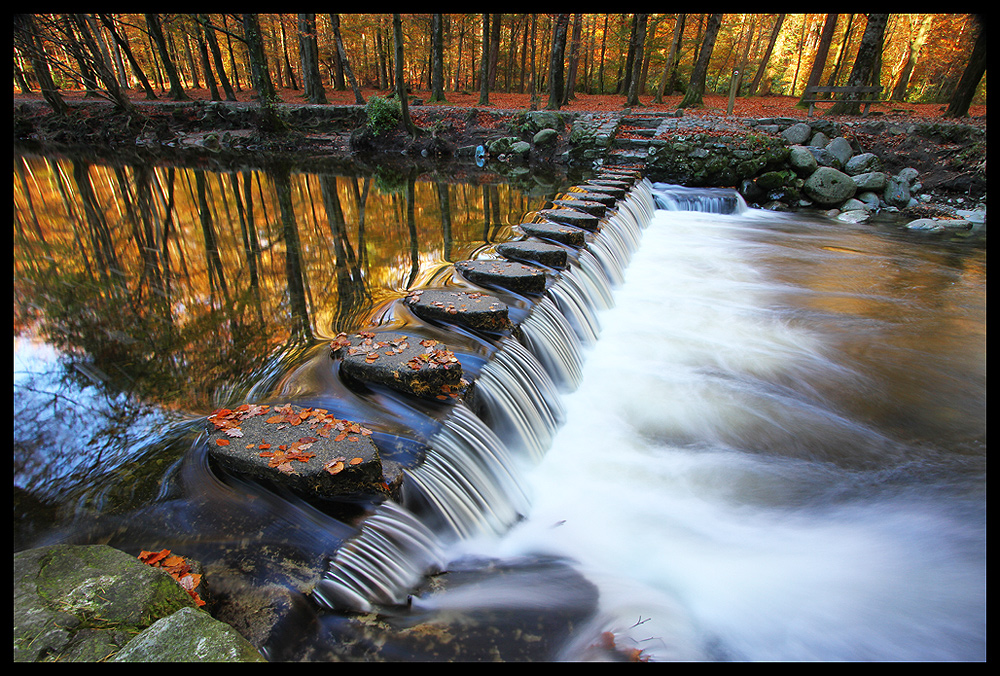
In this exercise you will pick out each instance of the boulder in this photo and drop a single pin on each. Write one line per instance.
(84, 603)
(474, 310)
(545, 137)
(307, 450)
(874, 181)
(797, 134)
(862, 164)
(827, 186)
(840, 148)
(897, 192)
(188, 635)
(516, 277)
(801, 160)
(819, 140)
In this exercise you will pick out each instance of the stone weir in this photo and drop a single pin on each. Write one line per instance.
(534, 299)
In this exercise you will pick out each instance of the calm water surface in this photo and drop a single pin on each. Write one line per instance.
(776, 450)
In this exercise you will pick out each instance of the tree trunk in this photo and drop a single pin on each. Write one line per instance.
(123, 44)
(437, 57)
(312, 82)
(912, 52)
(484, 64)
(30, 43)
(397, 30)
(819, 63)
(335, 21)
(574, 59)
(696, 88)
(213, 88)
(156, 32)
(494, 50)
(864, 64)
(213, 46)
(974, 71)
(634, 81)
(106, 75)
(759, 75)
(556, 61)
(668, 64)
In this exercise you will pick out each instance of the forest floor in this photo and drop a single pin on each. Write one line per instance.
(953, 157)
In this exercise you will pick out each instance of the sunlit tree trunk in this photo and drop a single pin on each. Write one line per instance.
(397, 30)
(122, 43)
(29, 41)
(574, 59)
(335, 22)
(819, 63)
(213, 45)
(912, 52)
(635, 80)
(556, 61)
(755, 87)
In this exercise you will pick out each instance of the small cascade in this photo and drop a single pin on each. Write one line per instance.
(706, 200)
(381, 564)
(579, 310)
(552, 340)
(467, 481)
(520, 401)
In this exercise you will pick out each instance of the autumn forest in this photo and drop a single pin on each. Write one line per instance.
(326, 58)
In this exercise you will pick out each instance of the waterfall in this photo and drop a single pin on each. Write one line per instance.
(706, 200)
(469, 482)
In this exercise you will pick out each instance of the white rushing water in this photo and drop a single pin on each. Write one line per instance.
(724, 506)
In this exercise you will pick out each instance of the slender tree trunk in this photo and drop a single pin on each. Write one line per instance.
(556, 61)
(312, 82)
(27, 37)
(335, 22)
(156, 32)
(106, 75)
(213, 46)
(668, 64)
(841, 52)
(484, 64)
(532, 85)
(123, 44)
(912, 52)
(864, 64)
(213, 88)
(973, 74)
(494, 49)
(640, 40)
(696, 88)
(759, 75)
(397, 29)
(574, 59)
(437, 57)
(819, 63)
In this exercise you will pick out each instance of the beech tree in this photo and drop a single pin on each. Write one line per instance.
(312, 84)
(974, 71)
(864, 64)
(556, 61)
(696, 89)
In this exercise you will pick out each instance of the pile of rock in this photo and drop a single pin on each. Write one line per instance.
(830, 174)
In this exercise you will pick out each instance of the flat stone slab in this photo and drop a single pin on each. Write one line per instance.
(474, 310)
(628, 177)
(614, 191)
(586, 206)
(516, 277)
(611, 183)
(572, 217)
(308, 450)
(599, 197)
(421, 367)
(564, 234)
(551, 255)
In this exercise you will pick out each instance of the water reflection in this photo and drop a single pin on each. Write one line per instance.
(147, 295)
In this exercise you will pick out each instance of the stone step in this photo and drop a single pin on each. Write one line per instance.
(423, 368)
(535, 251)
(473, 310)
(516, 277)
(564, 234)
(572, 217)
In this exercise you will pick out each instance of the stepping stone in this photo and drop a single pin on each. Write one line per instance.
(307, 450)
(611, 183)
(600, 198)
(550, 255)
(421, 367)
(572, 217)
(615, 192)
(474, 310)
(564, 234)
(516, 277)
(631, 178)
(586, 206)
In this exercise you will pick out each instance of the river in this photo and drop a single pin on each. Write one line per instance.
(774, 449)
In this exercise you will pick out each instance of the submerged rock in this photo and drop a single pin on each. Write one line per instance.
(516, 277)
(189, 636)
(474, 310)
(307, 450)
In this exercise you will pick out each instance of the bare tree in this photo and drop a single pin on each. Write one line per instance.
(696, 88)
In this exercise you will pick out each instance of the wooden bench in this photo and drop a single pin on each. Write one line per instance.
(812, 99)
